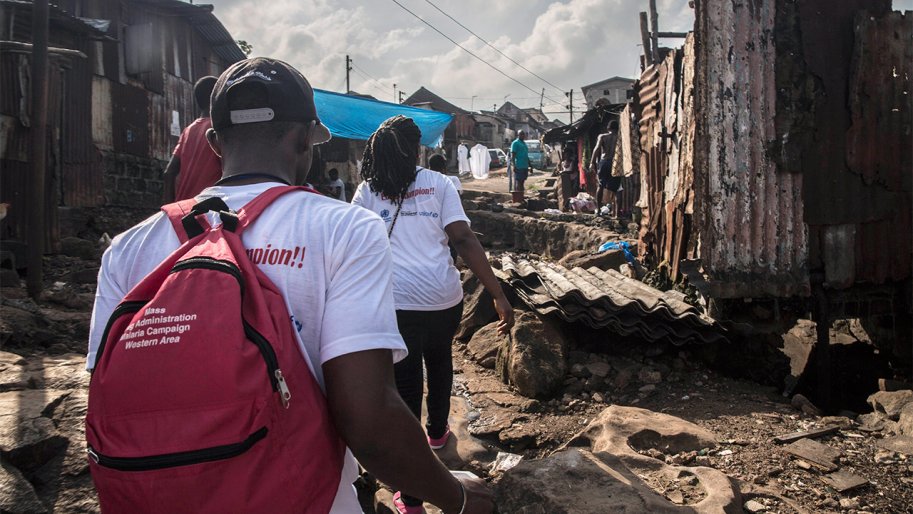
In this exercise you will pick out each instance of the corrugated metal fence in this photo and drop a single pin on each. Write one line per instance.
(797, 168)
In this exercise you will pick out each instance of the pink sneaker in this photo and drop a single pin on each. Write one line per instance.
(439, 442)
(402, 508)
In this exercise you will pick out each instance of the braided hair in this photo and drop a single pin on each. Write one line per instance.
(388, 164)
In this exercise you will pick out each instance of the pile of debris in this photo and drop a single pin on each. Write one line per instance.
(608, 299)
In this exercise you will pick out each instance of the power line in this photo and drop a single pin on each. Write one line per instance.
(366, 73)
(493, 47)
(531, 90)
(379, 87)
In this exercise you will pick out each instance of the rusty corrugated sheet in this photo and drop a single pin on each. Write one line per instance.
(130, 119)
(666, 122)
(753, 239)
(879, 141)
(178, 98)
(82, 174)
(15, 144)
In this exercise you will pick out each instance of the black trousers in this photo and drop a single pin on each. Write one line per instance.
(428, 336)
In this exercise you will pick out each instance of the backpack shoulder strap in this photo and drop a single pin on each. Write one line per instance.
(175, 212)
(250, 212)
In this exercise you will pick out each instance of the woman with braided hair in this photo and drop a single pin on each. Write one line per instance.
(423, 212)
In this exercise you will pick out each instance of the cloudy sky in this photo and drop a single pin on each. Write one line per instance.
(569, 43)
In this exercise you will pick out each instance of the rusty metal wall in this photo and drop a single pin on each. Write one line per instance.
(667, 131)
(753, 238)
(82, 174)
(880, 142)
(15, 144)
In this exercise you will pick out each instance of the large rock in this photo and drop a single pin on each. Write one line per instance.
(890, 403)
(478, 308)
(16, 493)
(905, 420)
(622, 430)
(76, 247)
(600, 471)
(63, 372)
(610, 259)
(12, 372)
(575, 481)
(535, 360)
(485, 344)
(28, 437)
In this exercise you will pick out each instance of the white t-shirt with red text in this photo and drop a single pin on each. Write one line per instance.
(339, 291)
(424, 278)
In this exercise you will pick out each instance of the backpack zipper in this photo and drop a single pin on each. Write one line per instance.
(172, 460)
(120, 310)
(276, 379)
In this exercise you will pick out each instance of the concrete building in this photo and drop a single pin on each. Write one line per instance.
(615, 90)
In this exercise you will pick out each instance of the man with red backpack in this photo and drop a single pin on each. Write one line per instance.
(193, 305)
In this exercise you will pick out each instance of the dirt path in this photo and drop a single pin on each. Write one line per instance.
(41, 379)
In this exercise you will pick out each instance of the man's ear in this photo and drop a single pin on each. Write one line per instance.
(214, 142)
(303, 137)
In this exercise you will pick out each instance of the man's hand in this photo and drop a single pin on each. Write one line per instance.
(479, 499)
(382, 432)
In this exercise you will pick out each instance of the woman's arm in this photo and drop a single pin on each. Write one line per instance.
(469, 248)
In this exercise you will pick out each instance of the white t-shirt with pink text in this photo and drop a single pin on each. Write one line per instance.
(330, 260)
(424, 277)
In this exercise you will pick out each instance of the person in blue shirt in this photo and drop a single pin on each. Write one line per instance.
(519, 157)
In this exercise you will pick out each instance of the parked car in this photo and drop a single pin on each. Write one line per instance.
(536, 154)
(498, 158)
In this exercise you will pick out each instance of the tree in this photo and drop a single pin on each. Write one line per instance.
(245, 47)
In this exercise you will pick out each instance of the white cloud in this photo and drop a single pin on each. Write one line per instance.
(570, 43)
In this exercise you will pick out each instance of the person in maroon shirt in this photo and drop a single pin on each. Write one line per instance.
(193, 166)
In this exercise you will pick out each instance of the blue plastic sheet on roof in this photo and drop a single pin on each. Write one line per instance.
(357, 118)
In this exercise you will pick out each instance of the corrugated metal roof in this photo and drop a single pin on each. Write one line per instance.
(205, 22)
(608, 299)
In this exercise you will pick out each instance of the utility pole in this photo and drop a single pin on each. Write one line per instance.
(394, 92)
(348, 69)
(654, 28)
(645, 38)
(39, 133)
(570, 105)
(401, 96)
(542, 100)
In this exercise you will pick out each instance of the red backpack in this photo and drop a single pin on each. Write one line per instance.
(201, 400)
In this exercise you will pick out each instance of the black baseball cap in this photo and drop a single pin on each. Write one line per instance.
(286, 94)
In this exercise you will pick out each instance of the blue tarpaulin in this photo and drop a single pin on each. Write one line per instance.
(357, 118)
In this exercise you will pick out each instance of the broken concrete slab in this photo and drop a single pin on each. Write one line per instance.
(843, 481)
(810, 434)
(818, 454)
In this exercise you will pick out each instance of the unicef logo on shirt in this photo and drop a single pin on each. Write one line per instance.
(385, 214)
